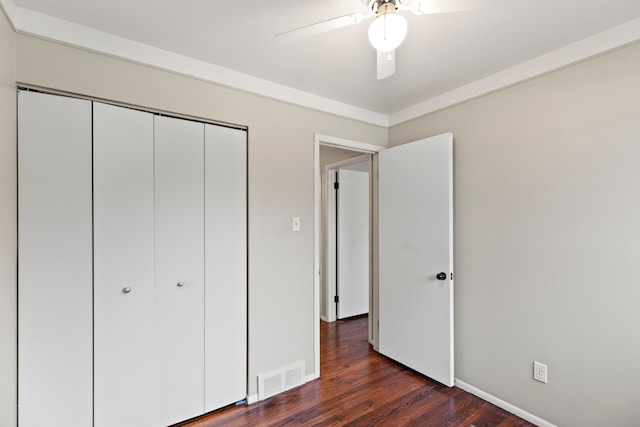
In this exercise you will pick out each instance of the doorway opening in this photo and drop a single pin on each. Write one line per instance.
(411, 255)
(329, 153)
(347, 235)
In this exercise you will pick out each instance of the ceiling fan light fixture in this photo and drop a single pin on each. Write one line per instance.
(388, 30)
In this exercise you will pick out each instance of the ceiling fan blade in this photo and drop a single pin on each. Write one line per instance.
(321, 27)
(386, 64)
(424, 7)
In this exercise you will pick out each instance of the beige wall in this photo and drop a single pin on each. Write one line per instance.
(547, 207)
(281, 156)
(8, 224)
(547, 239)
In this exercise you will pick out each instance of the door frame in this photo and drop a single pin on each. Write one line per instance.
(331, 230)
(365, 148)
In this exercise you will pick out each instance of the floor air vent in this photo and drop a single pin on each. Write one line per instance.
(277, 381)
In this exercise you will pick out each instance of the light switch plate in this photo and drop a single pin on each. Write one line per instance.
(295, 223)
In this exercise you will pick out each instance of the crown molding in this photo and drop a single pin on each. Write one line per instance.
(29, 22)
(8, 7)
(594, 45)
(51, 28)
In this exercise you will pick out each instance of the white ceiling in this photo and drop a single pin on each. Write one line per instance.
(441, 52)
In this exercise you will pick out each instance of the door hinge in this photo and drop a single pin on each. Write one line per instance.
(336, 299)
(336, 185)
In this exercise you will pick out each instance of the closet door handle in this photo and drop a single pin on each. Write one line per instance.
(180, 284)
(126, 290)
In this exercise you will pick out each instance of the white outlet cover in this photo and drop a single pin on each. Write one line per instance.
(540, 372)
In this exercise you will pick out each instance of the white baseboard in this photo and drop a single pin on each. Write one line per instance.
(502, 404)
(468, 388)
(311, 377)
(323, 318)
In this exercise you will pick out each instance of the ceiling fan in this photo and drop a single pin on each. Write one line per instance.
(389, 29)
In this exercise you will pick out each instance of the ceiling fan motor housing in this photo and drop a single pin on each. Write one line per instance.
(382, 6)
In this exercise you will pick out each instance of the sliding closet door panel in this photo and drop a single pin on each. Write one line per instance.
(225, 266)
(55, 255)
(123, 266)
(179, 266)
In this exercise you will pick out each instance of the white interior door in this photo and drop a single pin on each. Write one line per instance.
(352, 225)
(123, 266)
(179, 269)
(225, 266)
(55, 326)
(416, 256)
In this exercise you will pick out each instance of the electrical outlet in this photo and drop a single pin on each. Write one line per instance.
(540, 372)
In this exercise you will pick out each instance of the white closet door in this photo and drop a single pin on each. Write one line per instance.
(123, 266)
(179, 267)
(55, 274)
(225, 266)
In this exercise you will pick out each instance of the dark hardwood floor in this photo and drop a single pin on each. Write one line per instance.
(359, 387)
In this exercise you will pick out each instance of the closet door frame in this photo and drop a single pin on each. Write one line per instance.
(199, 217)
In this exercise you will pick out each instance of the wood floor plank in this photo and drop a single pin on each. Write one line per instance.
(359, 387)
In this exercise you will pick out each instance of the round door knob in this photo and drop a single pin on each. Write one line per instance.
(441, 276)
(180, 284)
(126, 290)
